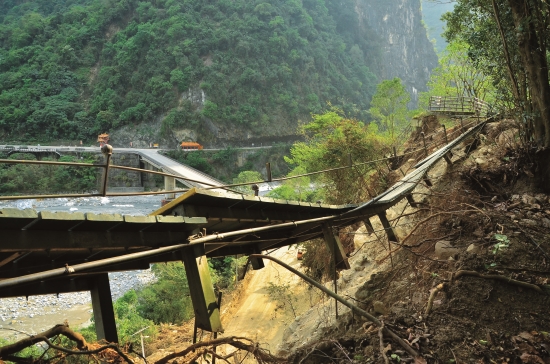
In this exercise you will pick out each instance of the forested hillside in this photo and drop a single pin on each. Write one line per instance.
(73, 68)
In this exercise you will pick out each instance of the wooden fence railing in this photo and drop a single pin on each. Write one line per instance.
(453, 105)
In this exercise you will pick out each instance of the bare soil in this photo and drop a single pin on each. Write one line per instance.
(489, 194)
(489, 298)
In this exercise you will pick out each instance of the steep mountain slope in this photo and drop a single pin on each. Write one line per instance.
(431, 13)
(225, 69)
(406, 51)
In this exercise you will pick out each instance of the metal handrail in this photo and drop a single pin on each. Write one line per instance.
(459, 105)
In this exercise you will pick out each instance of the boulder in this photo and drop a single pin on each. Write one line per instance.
(528, 200)
(380, 308)
(508, 138)
(444, 249)
(473, 248)
(481, 161)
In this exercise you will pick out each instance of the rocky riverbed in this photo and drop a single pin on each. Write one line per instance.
(21, 316)
(33, 314)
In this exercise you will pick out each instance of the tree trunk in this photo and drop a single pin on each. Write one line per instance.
(533, 55)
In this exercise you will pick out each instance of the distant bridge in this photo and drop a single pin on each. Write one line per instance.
(47, 252)
(190, 176)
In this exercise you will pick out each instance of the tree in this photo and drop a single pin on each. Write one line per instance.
(389, 107)
(532, 25)
(458, 75)
(523, 28)
(160, 302)
(295, 189)
(333, 141)
(245, 177)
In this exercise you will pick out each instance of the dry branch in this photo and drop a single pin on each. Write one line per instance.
(84, 348)
(472, 273)
(381, 336)
(238, 342)
(60, 329)
(432, 297)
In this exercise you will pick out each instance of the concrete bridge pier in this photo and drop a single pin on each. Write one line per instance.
(169, 185)
(98, 286)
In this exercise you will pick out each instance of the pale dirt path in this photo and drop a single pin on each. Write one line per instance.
(257, 316)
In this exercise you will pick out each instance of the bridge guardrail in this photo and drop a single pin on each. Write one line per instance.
(459, 105)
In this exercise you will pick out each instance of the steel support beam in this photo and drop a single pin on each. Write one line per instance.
(335, 247)
(386, 224)
(257, 263)
(20, 240)
(427, 181)
(205, 303)
(368, 225)
(102, 304)
(448, 157)
(411, 200)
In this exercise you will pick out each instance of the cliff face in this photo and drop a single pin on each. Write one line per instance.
(406, 51)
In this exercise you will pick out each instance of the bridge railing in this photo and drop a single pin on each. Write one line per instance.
(459, 105)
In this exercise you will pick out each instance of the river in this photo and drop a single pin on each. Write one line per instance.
(20, 316)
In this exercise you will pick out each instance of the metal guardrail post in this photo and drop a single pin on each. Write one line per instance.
(107, 151)
(268, 170)
(424, 142)
(445, 133)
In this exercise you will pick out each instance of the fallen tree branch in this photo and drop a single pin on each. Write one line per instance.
(472, 273)
(235, 341)
(61, 329)
(497, 277)
(381, 336)
(434, 292)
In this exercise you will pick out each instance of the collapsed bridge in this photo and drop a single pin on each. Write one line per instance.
(45, 252)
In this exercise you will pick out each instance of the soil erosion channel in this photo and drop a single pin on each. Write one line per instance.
(262, 316)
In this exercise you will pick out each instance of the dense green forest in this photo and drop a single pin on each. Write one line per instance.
(73, 68)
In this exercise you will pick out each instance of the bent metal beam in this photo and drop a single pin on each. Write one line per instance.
(268, 222)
